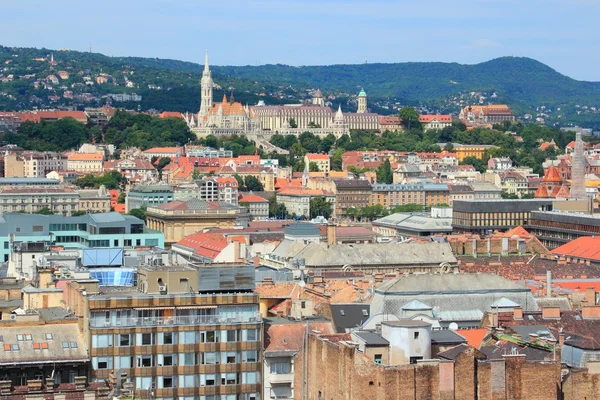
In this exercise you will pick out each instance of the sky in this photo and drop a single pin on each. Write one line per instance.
(563, 34)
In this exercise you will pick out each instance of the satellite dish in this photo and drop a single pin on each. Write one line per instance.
(453, 326)
(302, 283)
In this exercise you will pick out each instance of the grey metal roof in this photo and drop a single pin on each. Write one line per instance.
(446, 337)
(28, 181)
(449, 283)
(503, 302)
(420, 222)
(561, 302)
(416, 305)
(352, 184)
(406, 323)
(460, 315)
(569, 218)
(301, 229)
(107, 217)
(453, 352)
(368, 254)
(371, 338)
(525, 330)
(349, 316)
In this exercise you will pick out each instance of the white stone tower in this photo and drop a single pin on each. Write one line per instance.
(362, 102)
(318, 99)
(578, 170)
(206, 92)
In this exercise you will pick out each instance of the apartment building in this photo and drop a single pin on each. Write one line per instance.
(425, 194)
(258, 207)
(321, 160)
(30, 199)
(351, 193)
(148, 195)
(88, 163)
(180, 333)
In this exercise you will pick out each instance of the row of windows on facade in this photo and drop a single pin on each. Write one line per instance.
(199, 380)
(239, 396)
(175, 359)
(168, 338)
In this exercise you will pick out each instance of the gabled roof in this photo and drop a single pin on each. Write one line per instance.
(86, 157)
(206, 245)
(474, 336)
(416, 305)
(349, 316)
(249, 198)
(585, 247)
(503, 302)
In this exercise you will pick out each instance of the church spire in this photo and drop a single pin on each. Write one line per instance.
(206, 69)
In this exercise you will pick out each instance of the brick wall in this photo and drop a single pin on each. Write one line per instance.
(339, 372)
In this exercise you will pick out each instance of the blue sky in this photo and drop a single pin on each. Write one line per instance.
(561, 33)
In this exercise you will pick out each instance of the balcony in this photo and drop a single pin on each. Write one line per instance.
(281, 378)
(175, 321)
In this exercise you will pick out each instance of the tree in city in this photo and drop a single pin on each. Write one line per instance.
(253, 184)
(319, 206)
(477, 163)
(384, 172)
(240, 181)
(313, 167)
(44, 211)
(277, 210)
(409, 118)
(139, 213)
(292, 123)
(121, 199)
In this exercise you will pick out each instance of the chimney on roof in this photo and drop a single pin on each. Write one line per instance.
(550, 312)
(518, 313)
(561, 339)
(590, 296)
(331, 234)
(548, 283)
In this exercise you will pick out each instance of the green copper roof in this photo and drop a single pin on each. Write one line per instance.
(362, 93)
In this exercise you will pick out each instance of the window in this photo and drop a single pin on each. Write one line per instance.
(251, 334)
(48, 336)
(303, 304)
(167, 338)
(208, 379)
(168, 382)
(232, 335)
(283, 367)
(102, 362)
(147, 339)
(125, 340)
(413, 360)
(187, 359)
(73, 345)
(377, 358)
(229, 357)
(416, 335)
(249, 378)
(228, 379)
(65, 345)
(249, 356)
(145, 361)
(365, 312)
(102, 341)
(187, 337)
(20, 338)
(209, 358)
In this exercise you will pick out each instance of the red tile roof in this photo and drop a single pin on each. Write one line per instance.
(252, 199)
(314, 156)
(289, 337)
(207, 245)
(86, 157)
(428, 118)
(171, 114)
(173, 150)
(474, 336)
(586, 247)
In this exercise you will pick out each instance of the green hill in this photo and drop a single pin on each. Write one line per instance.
(523, 83)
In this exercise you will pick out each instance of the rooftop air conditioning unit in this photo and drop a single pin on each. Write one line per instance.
(162, 288)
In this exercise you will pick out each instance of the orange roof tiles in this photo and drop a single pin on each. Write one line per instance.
(173, 150)
(171, 114)
(252, 199)
(86, 157)
(280, 290)
(518, 231)
(586, 247)
(207, 245)
(289, 337)
(474, 336)
(314, 156)
(552, 175)
(439, 117)
(227, 108)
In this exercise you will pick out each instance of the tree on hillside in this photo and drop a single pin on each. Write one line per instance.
(240, 181)
(409, 117)
(479, 165)
(384, 173)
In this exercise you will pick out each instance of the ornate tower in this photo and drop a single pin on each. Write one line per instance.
(362, 102)
(318, 99)
(206, 92)
(578, 170)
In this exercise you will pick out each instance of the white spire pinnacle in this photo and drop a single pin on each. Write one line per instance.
(206, 62)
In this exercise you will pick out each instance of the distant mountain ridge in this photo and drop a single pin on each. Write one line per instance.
(523, 83)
